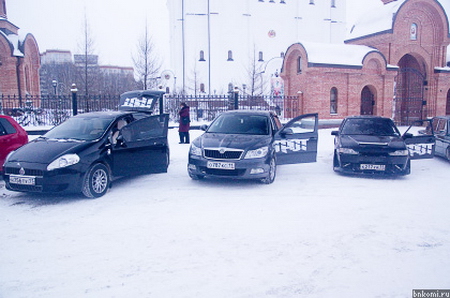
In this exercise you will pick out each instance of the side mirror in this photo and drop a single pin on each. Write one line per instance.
(407, 135)
(335, 133)
(204, 127)
(287, 131)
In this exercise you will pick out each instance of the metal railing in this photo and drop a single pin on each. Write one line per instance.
(52, 110)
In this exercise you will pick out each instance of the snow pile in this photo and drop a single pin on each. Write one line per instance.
(312, 233)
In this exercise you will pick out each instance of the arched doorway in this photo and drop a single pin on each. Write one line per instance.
(409, 100)
(367, 101)
(447, 107)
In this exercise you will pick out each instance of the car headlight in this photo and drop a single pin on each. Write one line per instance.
(63, 161)
(194, 150)
(257, 153)
(347, 151)
(404, 152)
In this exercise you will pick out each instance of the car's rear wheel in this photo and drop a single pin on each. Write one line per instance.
(96, 181)
(270, 178)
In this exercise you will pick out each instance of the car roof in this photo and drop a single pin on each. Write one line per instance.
(106, 114)
(443, 117)
(249, 112)
(366, 117)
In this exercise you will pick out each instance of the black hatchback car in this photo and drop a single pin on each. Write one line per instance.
(373, 144)
(84, 153)
(250, 144)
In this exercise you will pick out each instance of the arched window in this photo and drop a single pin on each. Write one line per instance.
(202, 56)
(447, 108)
(413, 31)
(230, 56)
(261, 58)
(299, 64)
(333, 100)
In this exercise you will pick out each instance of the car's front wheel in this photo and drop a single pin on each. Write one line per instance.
(270, 178)
(335, 162)
(96, 181)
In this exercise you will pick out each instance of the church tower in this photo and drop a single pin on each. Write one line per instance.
(3, 9)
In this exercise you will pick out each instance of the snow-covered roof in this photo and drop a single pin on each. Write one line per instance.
(336, 54)
(14, 41)
(381, 19)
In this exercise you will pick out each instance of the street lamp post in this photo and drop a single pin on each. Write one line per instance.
(54, 84)
(236, 98)
(74, 91)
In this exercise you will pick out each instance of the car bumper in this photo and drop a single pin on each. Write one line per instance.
(366, 164)
(257, 168)
(31, 177)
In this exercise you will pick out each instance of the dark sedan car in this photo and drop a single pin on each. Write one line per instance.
(441, 129)
(250, 145)
(84, 153)
(371, 144)
(12, 136)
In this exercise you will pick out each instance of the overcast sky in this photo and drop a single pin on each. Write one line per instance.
(116, 25)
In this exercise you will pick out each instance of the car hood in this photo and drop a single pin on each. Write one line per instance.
(372, 141)
(45, 151)
(235, 141)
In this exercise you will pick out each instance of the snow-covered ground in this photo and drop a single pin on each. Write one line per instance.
(312, 233)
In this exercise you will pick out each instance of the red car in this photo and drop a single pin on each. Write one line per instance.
(12, 136)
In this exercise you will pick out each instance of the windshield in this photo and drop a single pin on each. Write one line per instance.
(376, 126)
(240, 124)
(79, 128)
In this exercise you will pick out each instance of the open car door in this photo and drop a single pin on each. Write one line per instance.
(297, 141)
(142, 147)
(420, 140)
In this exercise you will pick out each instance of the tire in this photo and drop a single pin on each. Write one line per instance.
(447, 153)
(196, 177)
(96, 181)
(407, 170)
(335, 163)
(167, 160)
(272, 172)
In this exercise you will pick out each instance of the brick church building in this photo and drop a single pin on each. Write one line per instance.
(19, 59)
(395, 63)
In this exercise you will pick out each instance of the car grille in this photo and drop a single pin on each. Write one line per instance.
(28, 172)
(223, 154)
(219, 172)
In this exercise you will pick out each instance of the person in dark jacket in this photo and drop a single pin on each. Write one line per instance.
(184, 126)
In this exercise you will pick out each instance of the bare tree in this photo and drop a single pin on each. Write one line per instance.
(194, 80)
(255, 81)
(146, 63)
(87, 61)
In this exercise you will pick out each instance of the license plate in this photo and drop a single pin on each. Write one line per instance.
(372, 167)
(23, 180)
(220, 165)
